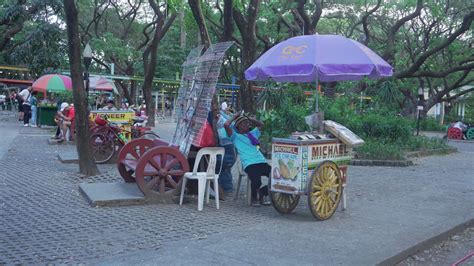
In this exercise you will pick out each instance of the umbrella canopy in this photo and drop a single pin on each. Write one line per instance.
(101, 83)
(318, 57)
(53, 83)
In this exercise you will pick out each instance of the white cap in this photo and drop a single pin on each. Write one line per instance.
(63, 106)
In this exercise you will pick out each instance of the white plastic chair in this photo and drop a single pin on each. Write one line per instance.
(204, 178)
(242, 174)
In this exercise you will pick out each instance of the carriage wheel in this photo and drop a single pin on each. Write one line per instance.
(324, 190)
(103, 147)
(133, 150)
(159, 172)
(470, 133)
(454, 133)
(284, 203)
(149, 135)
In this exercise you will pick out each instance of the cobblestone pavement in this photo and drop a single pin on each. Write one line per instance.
(44, 219)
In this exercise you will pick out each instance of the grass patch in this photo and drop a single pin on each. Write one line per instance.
(422, 143)
(375, 149)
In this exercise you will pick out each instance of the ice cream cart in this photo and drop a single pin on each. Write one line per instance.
(314, 165)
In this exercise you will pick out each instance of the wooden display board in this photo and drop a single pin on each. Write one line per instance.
(343, 133)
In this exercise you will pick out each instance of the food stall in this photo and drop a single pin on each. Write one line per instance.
(313, 164)
(46, 113)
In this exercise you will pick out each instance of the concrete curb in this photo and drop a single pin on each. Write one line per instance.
(425, 244)
(394, 163)
(461, 140)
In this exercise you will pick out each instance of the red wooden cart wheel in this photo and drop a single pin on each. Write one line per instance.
(454, 133)
(159, 172)
(132, 152)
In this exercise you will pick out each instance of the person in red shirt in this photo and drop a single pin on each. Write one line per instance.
(66, 117)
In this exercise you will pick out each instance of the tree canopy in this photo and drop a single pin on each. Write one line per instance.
(429, 43)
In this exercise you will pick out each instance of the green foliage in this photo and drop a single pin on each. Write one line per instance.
(378, 150)
(338, 109)
(42, 50)
(375, 149)
(423, 143)
(379, 123)
(389, 94)
(383, 127)
(282, 121)
(431, 124)
(279, 96)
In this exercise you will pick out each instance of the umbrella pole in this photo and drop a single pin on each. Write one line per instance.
(316, 95)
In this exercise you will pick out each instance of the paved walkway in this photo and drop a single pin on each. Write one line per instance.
(44, 219)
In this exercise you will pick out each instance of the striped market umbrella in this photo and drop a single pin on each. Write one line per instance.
(101, 83)
(53, 83)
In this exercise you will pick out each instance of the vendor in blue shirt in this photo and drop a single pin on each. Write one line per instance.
(253, 162)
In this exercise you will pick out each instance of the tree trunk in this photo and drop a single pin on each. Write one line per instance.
(249, 53)
(182, 37)
(247, 28)
(195, 6)
(149, 61)
(228, 21)
(150, 57)
(87, 165)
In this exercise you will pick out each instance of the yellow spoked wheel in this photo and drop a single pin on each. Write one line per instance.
(283, 202)
(325, 190)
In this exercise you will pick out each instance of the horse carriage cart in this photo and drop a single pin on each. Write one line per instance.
(157, 166)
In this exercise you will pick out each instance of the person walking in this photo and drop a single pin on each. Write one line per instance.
(34, 108)
(25, 95)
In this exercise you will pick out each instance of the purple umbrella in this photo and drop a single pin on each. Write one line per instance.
(318, 57)
(326, 58)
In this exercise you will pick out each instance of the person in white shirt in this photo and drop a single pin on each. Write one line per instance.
(224, 105)
(26, 97)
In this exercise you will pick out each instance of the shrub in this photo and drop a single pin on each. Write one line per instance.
(378, 150)
(376, 126)
(423, 143)
(431, 124)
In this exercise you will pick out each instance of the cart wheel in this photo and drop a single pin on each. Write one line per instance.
(454, 133)
(103, 147)
(324, 190)
(133, 150)
(284, 203)
(150, 135)
(470, 133)
(159, 172)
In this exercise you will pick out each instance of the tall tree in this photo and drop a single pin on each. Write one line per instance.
(30, 36)
(247, 28)
(160, 27)
(196, 9)
(87, 165)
